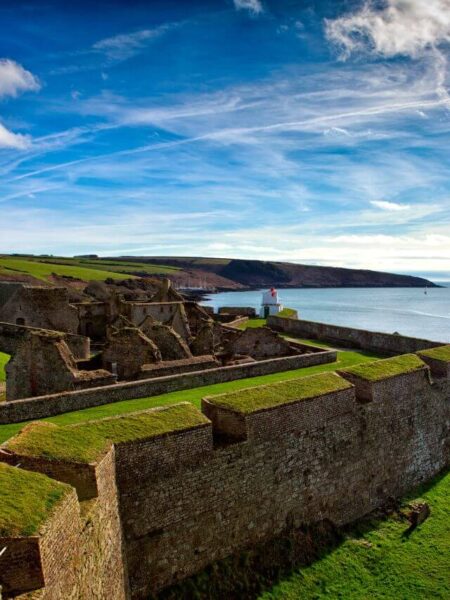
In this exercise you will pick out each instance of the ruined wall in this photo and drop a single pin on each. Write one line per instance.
(11, 336)
(384, 343)
(129, 349)
(42, 363)
(169, 313)
(43, 307)
(328, 457)
(56, 404)
(93, 319)
(171, 345)
(259, 343)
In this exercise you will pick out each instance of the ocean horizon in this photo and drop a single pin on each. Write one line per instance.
(408, 311)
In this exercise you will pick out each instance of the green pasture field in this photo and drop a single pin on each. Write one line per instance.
(85, 269)
(380, 559)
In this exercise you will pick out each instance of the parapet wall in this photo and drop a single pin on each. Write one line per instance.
(269, 460)
(384, 343)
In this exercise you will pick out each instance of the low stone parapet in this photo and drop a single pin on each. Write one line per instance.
(391, 377)
(438, 359)
(269, 411)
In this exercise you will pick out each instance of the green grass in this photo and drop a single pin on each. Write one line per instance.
(118, 266)
(440, 353)
(251, 323)
(88, 441)
(288, 313)
(4, 358)
(389, 367)
(344, 359)
(378, 561)
(43, 271)
(26, 500)
(285, 392)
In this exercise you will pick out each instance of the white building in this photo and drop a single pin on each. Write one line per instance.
(270, 303)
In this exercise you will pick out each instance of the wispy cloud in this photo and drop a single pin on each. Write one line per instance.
(125, 45)
(253, 6)
(389, 206)
(14, 79)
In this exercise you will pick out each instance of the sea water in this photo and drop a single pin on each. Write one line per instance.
(409, 311)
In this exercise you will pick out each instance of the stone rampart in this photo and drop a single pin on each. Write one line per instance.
(191, 491)
(384, 343)
(55, 404)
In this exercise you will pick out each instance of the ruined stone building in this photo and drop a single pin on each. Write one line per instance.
(110, 336)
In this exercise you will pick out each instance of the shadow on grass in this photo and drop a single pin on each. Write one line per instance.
(257, 569)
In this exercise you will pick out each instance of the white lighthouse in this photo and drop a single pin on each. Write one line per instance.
(270, 303)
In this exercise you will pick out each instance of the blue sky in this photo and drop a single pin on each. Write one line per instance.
(309, 131)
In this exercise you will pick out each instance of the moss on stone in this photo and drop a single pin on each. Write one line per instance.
(88, 441)
(26, 500)
(388, 367)
(264, 397)
(439, 353)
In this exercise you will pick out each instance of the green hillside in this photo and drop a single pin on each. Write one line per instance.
(85, 269)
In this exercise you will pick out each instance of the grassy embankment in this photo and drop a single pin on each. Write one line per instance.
(85, 269)
(344, 359)
(379, 559)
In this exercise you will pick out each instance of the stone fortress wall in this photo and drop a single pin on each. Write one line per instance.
(374, 341)
(333, 448)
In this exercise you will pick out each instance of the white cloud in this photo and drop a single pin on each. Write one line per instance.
(390, 206)
(253, 6)
(14, 79)
(125, 45)
(8, 139)
(400, 27)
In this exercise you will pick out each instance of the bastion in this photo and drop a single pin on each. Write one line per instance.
(126, 507)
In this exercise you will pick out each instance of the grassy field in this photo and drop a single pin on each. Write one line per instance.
(379, 560)
(86, 269)
(345, 359)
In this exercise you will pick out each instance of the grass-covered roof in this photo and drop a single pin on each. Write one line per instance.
(264, 397)
(439, 353)
(87, 441)
(26, 500)
(388, 367)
